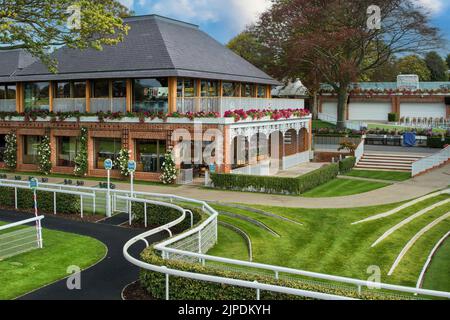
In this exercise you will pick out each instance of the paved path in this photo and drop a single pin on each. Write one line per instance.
(103, 281)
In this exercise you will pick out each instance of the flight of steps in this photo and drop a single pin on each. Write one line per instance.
(387, 162)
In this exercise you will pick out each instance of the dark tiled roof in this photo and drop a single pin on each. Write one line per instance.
(155, 46)
(12, 61)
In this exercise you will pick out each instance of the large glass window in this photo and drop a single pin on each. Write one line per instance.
(2, 92)
(247, 90)
(2, 146)
(67, 149)
(230, 89)
(150, 155)
(210, 88)
(261, 91)
(119, 88)
(100, 89)
(30, 149)
(7, 91)
(151, 95)
(37, 96)
(186, 88)
(106, 148)
(72, 89)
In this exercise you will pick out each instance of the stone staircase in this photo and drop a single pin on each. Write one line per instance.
(387, 162)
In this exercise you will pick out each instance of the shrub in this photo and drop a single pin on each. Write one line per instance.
(121, 162)
(10, 153)
(280, 185)
(347, 164)
(81, 159)
(158, 216)
(437, 142)
(189, 289)
(44, 152)
(393, 117)
(65, 203)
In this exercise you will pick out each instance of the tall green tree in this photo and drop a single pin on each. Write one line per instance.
(448, 60)
(40, 26)
(414, 64)
(335, 38)
(437, 66)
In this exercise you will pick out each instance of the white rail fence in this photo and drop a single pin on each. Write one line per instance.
(359, 152)
(193, 245)
(17, 237)
(431, 162)
(352, 125)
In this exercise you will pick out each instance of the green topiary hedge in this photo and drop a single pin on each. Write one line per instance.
(278, 185)
(437, 142)
(189, 289)
(158, 216)
(347, 165)
(65, 203)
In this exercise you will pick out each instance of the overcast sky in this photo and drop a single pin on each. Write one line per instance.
(223, 19)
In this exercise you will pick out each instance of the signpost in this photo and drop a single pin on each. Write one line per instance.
(108, 167)
(33, 186)
(131, 170)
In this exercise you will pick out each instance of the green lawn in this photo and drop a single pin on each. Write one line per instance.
(32, 270)
(437, 276)
(380, 175)
(319, 124)
(237, 248)
(328, 243)
(343, 187)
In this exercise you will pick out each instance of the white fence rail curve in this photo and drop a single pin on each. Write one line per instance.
(431, 162)
(22, 240)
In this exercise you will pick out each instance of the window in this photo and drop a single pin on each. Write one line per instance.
(37, 96)
(11, 91)
(186, 88)
(119, 88)
(106, 148)
(2, 146)
(230, 89)
(62, 90)
(150, 155)
(100, 89)
(247, 90)
(30, 146)
(210, 88)
(66, 151)
(70, 89)
(151, 95)
(2, 92)
(261, 91)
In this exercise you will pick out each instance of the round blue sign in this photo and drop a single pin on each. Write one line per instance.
(132, 166)
(108, 164)
(33, 183)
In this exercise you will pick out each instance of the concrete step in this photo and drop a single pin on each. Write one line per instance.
(387, 155)
(386, 160)
(383, 167)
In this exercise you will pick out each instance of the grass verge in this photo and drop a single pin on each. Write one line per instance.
(380, 175)
(343, 187)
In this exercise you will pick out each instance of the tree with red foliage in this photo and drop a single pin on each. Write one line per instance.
(331, 39)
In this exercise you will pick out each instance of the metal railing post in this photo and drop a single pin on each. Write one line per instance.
(145, 214)
(15, 198)
(54, 203)
(81, 205)
(258, 292)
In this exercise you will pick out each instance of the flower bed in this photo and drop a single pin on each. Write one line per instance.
(256, 114)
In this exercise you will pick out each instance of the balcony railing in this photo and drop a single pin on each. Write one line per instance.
(7, 105)
(106, 104)
(223, 104)
(69, 105)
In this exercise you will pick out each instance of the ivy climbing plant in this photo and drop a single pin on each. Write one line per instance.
(10, 154)
(44, 153)
(81, 159)
(121, 162)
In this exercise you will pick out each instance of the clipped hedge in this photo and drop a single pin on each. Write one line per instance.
(278, 185)
(189, 289)
(65, 203)
(347, 165)
(437, 142)
(158, 216)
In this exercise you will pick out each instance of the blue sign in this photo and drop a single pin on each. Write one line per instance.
(131, 166)
(212, 168)
(33, 183)
(108, 164)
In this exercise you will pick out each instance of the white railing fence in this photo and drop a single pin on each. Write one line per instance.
(359, 152)
(431, 162)
(352, 125)
(193, 245)
(18, 237)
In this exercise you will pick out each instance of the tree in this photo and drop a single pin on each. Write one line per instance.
(41, 26)
(333, 38)
(81, 159)
(44, 153)
(437, 66)
(386, 72)
(169, 169)
(413, 64)
(448, 60)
